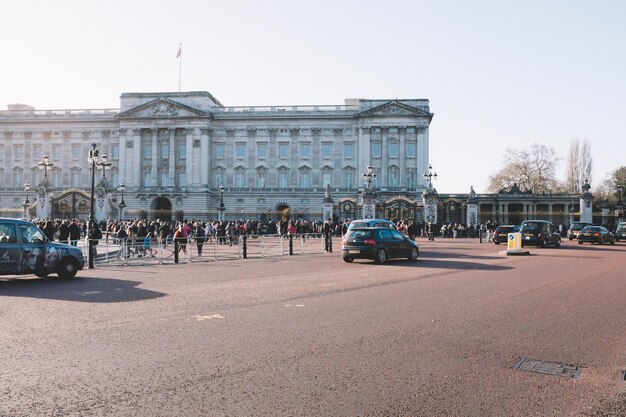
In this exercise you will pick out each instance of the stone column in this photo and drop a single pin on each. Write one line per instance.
(422, 154)
(586, 204)
(550, 212)
(204, 158)
(189, 158)
(122, 161)
(402, 157)
(136, 167)
(172, 158)
(384, 180)
(155, 157)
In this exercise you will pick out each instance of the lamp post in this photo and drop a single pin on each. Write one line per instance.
(26, 202)
(430, 176)
(221, 208)
(620, 206)
(45, 164)
(104, 164)
(93, 159)
(369, 176)
(122, 204)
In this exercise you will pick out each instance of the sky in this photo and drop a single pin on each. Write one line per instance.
(499, 74)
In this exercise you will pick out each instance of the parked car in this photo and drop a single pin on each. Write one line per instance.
(539, 233)
(501, 234)
(377, 243)
(596, 234)
(620, 231)
(25, 249)
(372, 223)
(574, 229)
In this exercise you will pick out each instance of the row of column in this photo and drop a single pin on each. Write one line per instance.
(529, 210)
(130, 161)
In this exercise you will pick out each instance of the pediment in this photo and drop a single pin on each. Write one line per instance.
(162, 108)
(395, 108)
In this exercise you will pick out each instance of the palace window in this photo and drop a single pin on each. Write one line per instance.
(182, 179)
(240, 178)
(348, 179)
(165, 150)
(147, 151)
(165, 179)
(75, 179)
(36, 152)
(219, 150)
(262, 150)
(115, 152)
(75, 151)
(410, 150)
(393, 149)
(147, 179)
(240, 150)
(410, 179)
(305, 179)
(327, 179)
(305, 150)
(18, 152)
(327, 150)
(393, 177)
(283, 150)
(56, 152)
(376, 149)
(219, 179)
(182, 151)
(348, 151)
(282, 179)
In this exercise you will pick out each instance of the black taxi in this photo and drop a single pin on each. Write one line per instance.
(25, 249)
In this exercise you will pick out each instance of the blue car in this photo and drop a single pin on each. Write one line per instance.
(25, 249)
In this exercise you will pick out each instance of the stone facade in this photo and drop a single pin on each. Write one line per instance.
(173, 151)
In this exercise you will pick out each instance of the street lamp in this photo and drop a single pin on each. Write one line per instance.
(221, 208)
(122, 204)
(619, 207)
(104, 164)
(45, 164)
(430, 176)
(26, 202)
(369, 176)
(93, 158)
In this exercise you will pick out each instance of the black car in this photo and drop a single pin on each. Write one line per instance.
(575, 228)
(501, 234)
(539, 233)
(25, 249)
(377, 243)
(596, 234)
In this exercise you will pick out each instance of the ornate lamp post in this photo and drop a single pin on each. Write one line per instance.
(122, 204)
(430, 176)
(26, 202)
(369, 176)
(104, 164)
(45, 164)
(93, 158)
(221, 207)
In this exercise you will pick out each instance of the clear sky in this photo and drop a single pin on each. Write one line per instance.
(499, 74)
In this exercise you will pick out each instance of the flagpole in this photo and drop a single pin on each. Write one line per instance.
(180, 63)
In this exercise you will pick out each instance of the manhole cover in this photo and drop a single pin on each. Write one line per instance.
(548, 368)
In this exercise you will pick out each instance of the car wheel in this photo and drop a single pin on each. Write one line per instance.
(68, 268)
(580, 242)
(612, 242)
(557, 244)
(413, 253)
(496, 242)
(42, 274)
(570, 238)
(347, 259)
(381, 256)
(544, 243)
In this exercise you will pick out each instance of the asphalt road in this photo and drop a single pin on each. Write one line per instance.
(313, 336)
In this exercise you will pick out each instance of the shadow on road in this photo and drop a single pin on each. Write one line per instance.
(424, 262)
(85, 290)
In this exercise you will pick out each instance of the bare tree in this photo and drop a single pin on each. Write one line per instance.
(532, 168)
(579, 165)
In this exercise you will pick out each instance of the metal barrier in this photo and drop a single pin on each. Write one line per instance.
(131, 251)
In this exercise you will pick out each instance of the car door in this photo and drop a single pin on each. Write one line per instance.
(10, 250)
(398, 243)
(33, 248)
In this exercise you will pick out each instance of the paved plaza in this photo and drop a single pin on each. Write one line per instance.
(463, 331)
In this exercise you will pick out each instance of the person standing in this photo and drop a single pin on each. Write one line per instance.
(74, 232)
(328, 235)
